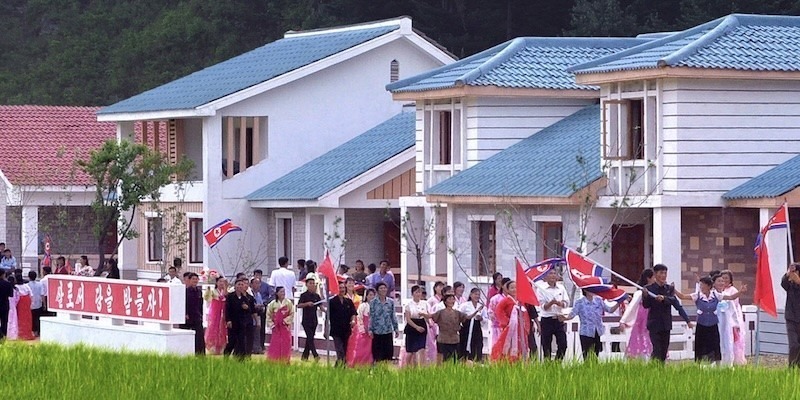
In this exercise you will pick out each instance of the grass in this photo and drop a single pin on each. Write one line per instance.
(52, 372)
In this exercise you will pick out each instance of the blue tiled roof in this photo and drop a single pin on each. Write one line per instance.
(243, 71)
(738, 41)
(528, 62)
(351, 159)
(556, 161)
(772, 183)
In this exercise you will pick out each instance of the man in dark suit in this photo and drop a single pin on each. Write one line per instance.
(791, 284)
(240, 313)
(194, 313)
(659, 300)
(342, 317)
(6, 291)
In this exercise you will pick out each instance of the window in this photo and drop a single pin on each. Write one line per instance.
(195, 240)
(483, 248)
(284, 236)
(445, 135)
(155, 239)
(394, 71)
(549, 240)
(445, 138)
(244, 142)
(625, 129)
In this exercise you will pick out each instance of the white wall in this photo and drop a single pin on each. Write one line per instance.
(717, 134)
(311, 116)
(495, 123)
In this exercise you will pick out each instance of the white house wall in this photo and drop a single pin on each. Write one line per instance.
(717, 134)
(312, 115)
(495, 123)
(515, 236)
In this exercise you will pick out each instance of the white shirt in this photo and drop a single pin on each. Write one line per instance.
(37, 291)
(414, 309)
(467, 309)
(551, 293)
(175, 280)
(284, 278)
(43, 281)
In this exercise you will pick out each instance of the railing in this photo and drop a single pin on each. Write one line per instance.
(614, 344)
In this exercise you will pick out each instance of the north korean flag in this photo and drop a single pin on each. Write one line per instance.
(214, 234)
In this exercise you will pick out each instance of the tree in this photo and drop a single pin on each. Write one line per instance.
(124, 174)
(601, 18)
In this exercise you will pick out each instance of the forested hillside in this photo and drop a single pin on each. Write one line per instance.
(95, 52)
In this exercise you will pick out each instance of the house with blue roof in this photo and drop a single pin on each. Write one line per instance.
(477, 119)
(701, 130)
(249, 120)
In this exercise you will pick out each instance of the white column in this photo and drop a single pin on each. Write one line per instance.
(404, 215)
(212, 178)
(667, 241)
(778, 260)
(128, 251)
(30, 238)
(448, 244)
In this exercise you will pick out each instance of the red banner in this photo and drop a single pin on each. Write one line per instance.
(110, 297)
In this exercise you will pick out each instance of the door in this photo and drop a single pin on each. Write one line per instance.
(391, 246)
(627, 252)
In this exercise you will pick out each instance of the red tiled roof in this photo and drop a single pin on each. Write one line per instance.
(42, 143)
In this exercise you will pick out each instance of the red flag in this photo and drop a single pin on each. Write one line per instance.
(764, 296)
(326, 269)
(214, 234)
(525, 293)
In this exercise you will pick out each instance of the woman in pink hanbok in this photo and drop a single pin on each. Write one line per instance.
(359, 346)
(13, 327)
(216, 333)
(494, 322)
(733, 332)
(280, 314)
(24, 315)
(635, 317)
(433, 329)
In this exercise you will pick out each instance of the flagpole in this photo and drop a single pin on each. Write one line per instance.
(789, 233)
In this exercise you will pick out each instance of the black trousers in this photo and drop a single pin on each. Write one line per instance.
(4, 321)
(263, 332)
(793, 336)
(591, 344)
(37, 319)
(340, 344)
(310, 345)
(382, 347)
(551, 326)
(199, 337)
(240, 341)
(660, 342)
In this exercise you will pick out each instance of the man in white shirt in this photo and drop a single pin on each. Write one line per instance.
(172, 276)
(37, 306)
(283, 277)
(553, 299)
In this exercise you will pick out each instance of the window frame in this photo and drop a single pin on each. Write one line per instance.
(280, 235)
(150, 242)
(192, 242)
(479, 263)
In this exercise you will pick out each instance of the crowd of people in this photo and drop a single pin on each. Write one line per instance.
(447, 326)
(444, 327)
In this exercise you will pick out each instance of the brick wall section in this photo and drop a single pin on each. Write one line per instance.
(70, 229)
(717, 239)
(364, 234)
(14, 230)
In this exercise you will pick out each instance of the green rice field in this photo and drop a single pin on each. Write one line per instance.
(52, 372)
